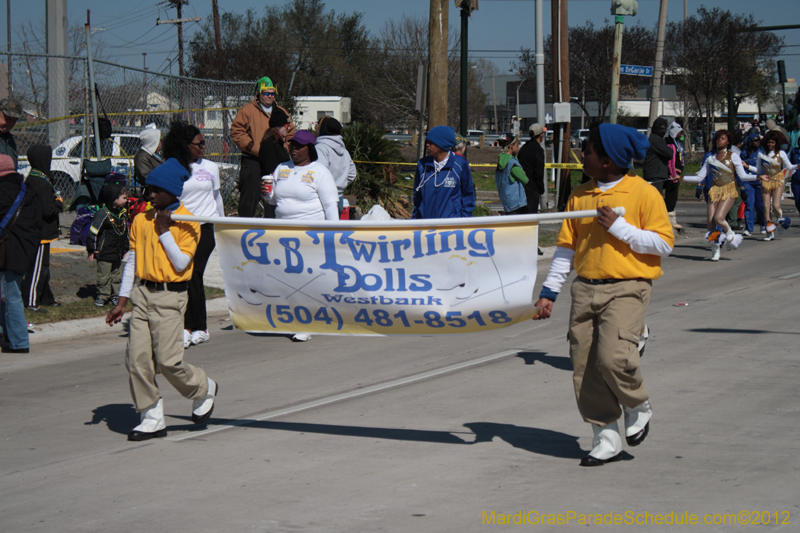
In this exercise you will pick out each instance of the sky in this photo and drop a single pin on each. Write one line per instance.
(496, 32)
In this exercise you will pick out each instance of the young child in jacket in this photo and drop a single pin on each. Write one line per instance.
(161, 260)
(107, 242)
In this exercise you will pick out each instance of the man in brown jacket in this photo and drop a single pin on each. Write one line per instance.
(247, 130)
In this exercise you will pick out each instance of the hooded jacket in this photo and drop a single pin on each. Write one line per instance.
(509, 178)
(658, 155)
(332, 153)
(108, 235)
(26, 233)
(39, 181)
(146, 158)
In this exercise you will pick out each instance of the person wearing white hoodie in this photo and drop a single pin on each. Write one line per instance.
(332, 153)
(147, 157)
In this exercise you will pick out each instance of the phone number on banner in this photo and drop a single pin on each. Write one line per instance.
(379, 321)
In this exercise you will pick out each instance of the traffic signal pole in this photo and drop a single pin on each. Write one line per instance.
(619, 21)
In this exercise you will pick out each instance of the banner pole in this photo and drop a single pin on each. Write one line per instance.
(488, 221)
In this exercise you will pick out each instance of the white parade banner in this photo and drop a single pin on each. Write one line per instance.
(395, 277)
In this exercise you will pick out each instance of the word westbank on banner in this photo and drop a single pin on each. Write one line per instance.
(397, 277)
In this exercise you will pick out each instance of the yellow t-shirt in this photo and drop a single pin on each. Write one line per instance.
(152, 263)
(600, 255)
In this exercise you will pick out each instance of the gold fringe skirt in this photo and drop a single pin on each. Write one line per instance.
(721, 193)
(771, 185)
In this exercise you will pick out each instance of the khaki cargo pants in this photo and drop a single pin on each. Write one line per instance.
(604, 327)
(155, 341)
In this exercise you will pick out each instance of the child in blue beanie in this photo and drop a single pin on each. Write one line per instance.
(160, 259)
(616, 259)
(443, 182)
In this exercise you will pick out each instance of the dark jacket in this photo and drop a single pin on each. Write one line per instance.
(531, 157)
(659, 154)
(50, 205)
(143, 163)
(26, 233)
(108, 235)
(40, 180)
(270, 155)
(8, 146)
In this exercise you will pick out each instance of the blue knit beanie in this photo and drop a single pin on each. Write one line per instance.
(442, 136)
(169, 176)
(622, 144)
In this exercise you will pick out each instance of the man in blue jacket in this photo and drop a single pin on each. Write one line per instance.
(443, 182)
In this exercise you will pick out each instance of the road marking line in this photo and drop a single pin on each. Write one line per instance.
(343, 396)
(790, 276)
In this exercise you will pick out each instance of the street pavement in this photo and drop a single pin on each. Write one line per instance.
(431, 433)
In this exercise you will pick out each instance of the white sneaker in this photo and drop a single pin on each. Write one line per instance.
(770, 236)
(152, 423)
(199, 337)
(763, 230)
(606, 445)
(746, 233)
(187, 339)
(301, 337)
(637, 422)
(203, 407)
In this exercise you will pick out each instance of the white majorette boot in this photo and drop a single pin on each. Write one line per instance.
(203, 407)
(457, 270)
(674, 222)
(606, 445)
(715, 251)
(152, 423)
(637, 423)
(733, 240)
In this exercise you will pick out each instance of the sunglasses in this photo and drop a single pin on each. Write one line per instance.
(265, 93)
(201, 144)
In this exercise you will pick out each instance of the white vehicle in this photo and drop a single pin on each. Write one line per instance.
(67, 162)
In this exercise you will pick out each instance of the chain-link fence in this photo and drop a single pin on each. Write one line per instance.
(56, 99)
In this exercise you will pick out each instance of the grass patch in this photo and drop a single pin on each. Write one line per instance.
(548, 237)
(484, 181)
(85, 308)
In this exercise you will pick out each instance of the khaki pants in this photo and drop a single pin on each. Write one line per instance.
(156, 341)
(604, 327)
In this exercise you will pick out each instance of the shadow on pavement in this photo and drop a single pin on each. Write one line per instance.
(119, 417)
(561, 363)
(737, 330)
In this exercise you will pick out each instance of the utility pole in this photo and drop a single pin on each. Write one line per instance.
(179, 21)
(539, 59)
(620, 9)
(217, 34)
(437, 51)
(655, 97)
(560, 32)
(8, 35)
(88, 29)
(467, 6)
(57, 71)
(494, 97)
(144, 85)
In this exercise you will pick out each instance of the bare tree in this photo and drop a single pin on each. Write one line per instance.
(31, 34)
(591, 51)
(719, 52)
